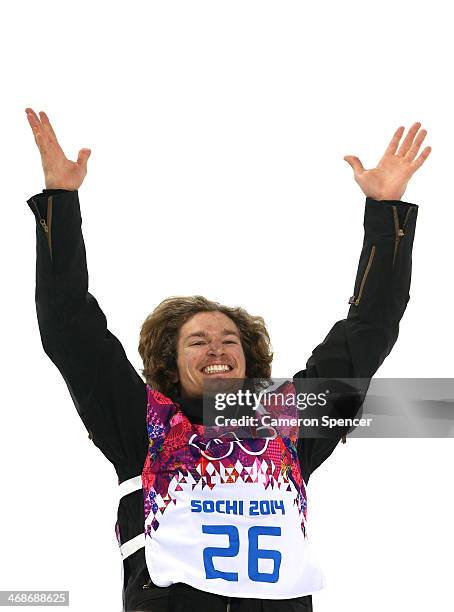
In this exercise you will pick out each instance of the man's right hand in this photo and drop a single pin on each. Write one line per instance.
(59, 172)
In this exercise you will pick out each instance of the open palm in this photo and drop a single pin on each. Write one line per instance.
(389, 179)
(59, 172)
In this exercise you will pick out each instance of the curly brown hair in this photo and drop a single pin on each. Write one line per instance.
(159, 337)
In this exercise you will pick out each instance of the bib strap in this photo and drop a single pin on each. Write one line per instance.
(131, 546)
(134, 544)
(129, 486)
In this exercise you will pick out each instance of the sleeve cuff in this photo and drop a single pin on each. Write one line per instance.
(53, 191)
(392, 202)
(39, 202)
(382, 218)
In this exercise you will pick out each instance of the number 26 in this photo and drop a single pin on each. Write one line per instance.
(254, 553)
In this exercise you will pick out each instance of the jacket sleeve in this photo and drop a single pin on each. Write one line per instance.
(108, 393)
(357, 346)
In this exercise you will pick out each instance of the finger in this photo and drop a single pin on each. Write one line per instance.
(421, 159)
(40, 141)
(36, 127)
(83, 156)
(31, 114)
(33, 119)
(355, 163)
(408, 141)
(394, 142)
(413, 151)
(47, 126)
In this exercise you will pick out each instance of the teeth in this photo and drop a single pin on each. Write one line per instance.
(216, 368)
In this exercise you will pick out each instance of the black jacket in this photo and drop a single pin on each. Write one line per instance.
(109, 394)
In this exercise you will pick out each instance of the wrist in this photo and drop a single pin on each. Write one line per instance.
(395, 196)
(59, 182)
(54, 185)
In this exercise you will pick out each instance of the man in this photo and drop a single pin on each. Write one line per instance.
(152, 431)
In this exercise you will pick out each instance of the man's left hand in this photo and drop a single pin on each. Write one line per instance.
(389, 179)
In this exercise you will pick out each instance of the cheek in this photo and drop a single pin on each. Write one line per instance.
(241, 358)
(244, 365)
(182, 365)
(189, 361)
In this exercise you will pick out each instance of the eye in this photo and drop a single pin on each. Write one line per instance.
(230, 342)
(200, 342)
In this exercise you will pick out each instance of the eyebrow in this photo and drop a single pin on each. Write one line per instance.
(202, 334)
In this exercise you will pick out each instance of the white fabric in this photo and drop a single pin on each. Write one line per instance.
(131, 546)
(129, 486)
(181, 549)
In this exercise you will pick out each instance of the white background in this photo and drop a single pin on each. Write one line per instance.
(217, 132)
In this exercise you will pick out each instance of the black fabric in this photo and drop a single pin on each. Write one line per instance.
(110, 396)
(184, 598)
(192, 408)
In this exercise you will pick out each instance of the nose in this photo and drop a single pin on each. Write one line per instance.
(216, 348)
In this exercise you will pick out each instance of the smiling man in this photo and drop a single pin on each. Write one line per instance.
(176, 486)
(224, 357)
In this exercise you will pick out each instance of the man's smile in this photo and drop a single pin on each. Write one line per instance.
(221, 368)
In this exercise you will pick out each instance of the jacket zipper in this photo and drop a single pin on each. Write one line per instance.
(49, 224)
(399, 231)
(46, 224)
(356, 299)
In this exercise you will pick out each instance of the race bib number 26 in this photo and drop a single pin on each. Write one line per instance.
(254, 553)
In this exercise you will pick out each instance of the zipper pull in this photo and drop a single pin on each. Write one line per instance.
(401, 232)
(41, 220)
(147, 585)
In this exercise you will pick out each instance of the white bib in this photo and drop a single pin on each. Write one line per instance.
(234, 526)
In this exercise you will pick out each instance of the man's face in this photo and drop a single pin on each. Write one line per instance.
(208, 339)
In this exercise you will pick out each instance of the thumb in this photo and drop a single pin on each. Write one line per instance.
(83, 156)
(355, 163)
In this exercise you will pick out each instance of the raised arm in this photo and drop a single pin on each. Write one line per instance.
(109, 395)
(357, 346)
